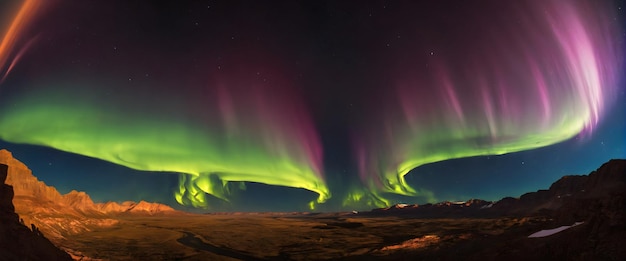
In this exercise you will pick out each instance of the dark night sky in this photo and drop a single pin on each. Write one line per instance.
(306, 101)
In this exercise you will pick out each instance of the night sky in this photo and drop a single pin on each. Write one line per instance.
(300, 105)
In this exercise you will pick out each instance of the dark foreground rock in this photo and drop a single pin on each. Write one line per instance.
(598, 200)
(60, 216)
(18, 242)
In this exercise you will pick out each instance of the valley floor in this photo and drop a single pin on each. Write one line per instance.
(302, 237)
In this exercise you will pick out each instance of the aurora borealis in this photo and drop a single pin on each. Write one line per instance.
(545, 82)
(218, 100)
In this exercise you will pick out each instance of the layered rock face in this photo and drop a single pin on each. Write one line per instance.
(597, 201)
(17, 242)
(599, 195)
(575, 198)
(61, 215)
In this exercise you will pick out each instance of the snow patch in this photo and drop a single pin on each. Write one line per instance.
(549, 232)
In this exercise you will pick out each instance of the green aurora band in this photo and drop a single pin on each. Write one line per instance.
(534, 74)
(553, 81)
(219, 126)
(252, 150)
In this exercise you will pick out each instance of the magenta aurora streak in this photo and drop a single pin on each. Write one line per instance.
(534, 74)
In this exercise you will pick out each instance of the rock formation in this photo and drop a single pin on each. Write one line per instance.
(470, 208)
(596, 203)
(576, 197)
(61, 215)
(18, 242)
(569, 199)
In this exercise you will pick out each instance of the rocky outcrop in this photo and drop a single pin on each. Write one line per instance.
(131, 207)
(569, 199)
(29, 188)
(596, 202)
(600, 202)
(18, 242)
(82, 202)
(574, 198)
(62, 215)
(7, 211)
(78, 200)
(24, 183)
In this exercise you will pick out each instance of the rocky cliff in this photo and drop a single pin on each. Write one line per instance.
(575, 197)
(596, 202)
(17, 242)
(569, 199)
(62, 215)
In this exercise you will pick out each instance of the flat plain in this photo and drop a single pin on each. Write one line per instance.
(301, 236)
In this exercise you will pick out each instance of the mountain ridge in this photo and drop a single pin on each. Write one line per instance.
(26, 184)
(59, 215)
(561, 199)
(18, 242)
(595, 201)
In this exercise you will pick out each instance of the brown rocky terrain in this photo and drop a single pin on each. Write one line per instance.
(469, 230)
(574, 197)
(59, 216)
(18, 242)
(597, 200)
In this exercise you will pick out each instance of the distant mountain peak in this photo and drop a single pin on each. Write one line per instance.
(44, 206)
(27, 185)
(570, 198)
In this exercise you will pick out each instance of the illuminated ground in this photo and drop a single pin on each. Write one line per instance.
(303, 237)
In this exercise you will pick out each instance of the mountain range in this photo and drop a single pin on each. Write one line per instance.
(57, 215)
(594, 203)
(571, 198)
